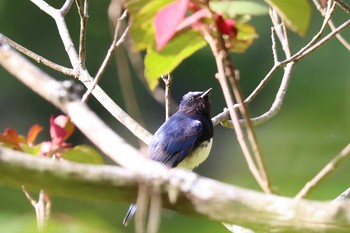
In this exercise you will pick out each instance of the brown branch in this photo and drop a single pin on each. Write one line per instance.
(226, 72)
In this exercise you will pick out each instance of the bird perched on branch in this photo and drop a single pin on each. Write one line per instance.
(185, 139)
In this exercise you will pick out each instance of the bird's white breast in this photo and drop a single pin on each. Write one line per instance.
(198, 156)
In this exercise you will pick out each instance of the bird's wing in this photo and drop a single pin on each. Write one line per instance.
(175, 140)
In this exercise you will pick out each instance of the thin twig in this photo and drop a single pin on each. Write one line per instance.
(37, 58)
(66, 7)
(167, 81)
(58, 16)
(322, 41)
(142, 206)
(83, 14)
(154, 209)
(226, 70)
(42, 207)
(266, 116)
(274, 49)
(331, 24)
(123, 67)
(86, 78)
(343, 5)
(115, 43)
(331, 166)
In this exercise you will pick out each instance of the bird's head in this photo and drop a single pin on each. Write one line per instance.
(196, 103)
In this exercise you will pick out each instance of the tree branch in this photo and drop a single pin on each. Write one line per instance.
(197, 195)
(84, 75)
(37, 58)
(302, 53)
(331, 166)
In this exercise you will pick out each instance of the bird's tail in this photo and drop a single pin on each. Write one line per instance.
(129, 214)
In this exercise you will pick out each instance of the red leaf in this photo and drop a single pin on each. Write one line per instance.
(57, 132)
(11, 137)
(33, 133)
(167, 20)
(65, 123)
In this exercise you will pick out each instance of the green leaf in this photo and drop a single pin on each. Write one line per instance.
(245, 37)
(83, 154)
(142, 14)
(183, 45)
(33, 150)
(296, 14)
(232, 9)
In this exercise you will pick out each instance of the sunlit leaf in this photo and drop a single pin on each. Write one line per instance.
(30, 149)
(83, 154)
(142, 14)
(163, 62)
(232, 9)
(245, 37)
(296, 13)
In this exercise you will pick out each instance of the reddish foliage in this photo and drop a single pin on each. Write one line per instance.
(10, 138)
(226, 26)
(167, 20)
(61, 128)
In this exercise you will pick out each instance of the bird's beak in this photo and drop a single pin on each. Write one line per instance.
(206, 93)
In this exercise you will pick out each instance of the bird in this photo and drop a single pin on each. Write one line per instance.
(185, 139)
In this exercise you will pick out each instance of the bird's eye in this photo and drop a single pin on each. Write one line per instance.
(191, 98)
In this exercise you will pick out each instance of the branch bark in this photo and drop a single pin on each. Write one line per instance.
(197, 195)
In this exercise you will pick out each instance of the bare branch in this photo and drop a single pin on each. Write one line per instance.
(221, 76)
(42, 207)
(36, 57)
(114, 45)
(331, 166)
(83, 14)
(86, 78)
(343, 5)
(66, 7)
(306, 50)
(167, 81)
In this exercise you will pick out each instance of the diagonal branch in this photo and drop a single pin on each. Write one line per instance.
(86, 78)
(36, 57)
(115, 43)
(331, 166)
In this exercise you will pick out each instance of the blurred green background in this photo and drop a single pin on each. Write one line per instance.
(311, 128)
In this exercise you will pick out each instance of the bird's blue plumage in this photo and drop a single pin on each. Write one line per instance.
(175, 139)
(185, 138)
